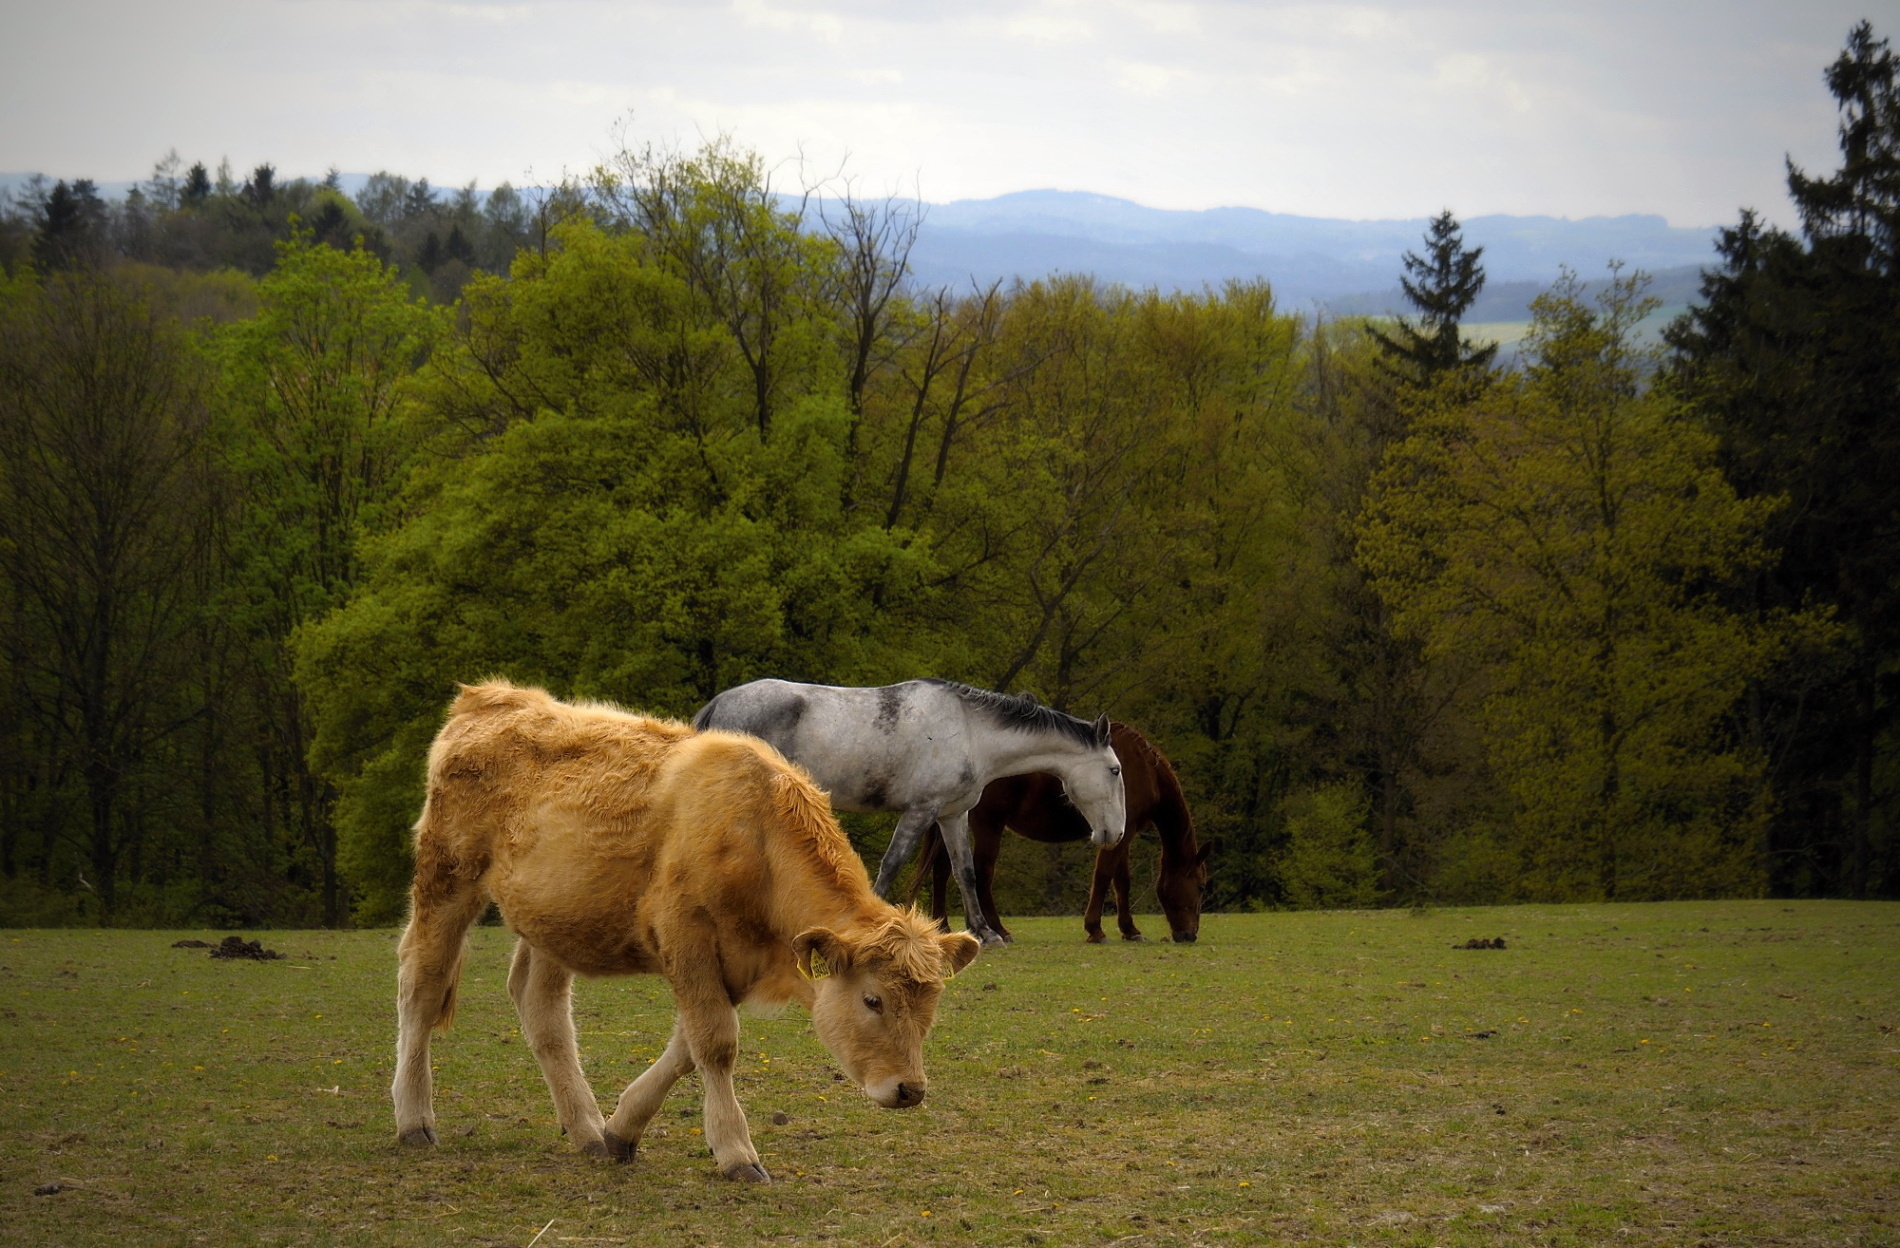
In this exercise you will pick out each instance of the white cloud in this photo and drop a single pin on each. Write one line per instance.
(827, 26)
(1388, 108)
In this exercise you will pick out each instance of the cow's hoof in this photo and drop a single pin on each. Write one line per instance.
(746, 1172)
(610, 1146)
(419, 1137)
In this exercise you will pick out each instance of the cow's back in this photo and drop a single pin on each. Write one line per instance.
(553, 806)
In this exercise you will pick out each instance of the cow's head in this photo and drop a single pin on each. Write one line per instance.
(877, 998)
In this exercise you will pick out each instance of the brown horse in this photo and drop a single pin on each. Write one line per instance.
(1036, 807)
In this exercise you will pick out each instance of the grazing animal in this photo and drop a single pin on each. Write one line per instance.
(928, 748)
(618, 844)
(1034, 806)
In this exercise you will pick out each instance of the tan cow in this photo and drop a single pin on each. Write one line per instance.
(618, 844)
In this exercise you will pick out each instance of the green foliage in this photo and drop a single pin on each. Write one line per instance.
(1794, 362)
(1410, 629)
(623, 532)
(321, 436)
(1571, 527)
(1330, 862)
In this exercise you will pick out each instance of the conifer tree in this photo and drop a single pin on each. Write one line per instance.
(1794, 361)
(1443, 284)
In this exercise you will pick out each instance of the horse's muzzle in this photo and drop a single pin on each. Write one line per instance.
(1186, 938)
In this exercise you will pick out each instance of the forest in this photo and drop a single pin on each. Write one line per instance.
(1608, 621)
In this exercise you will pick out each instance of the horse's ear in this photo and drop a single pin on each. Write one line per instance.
(824, 943)
(1101, 729)
(959, 950)
(1207, 847)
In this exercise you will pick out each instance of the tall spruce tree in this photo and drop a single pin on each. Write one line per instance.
(1442, 284)
(1794, 360)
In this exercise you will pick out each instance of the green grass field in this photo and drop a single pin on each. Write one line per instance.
(1708, 1073)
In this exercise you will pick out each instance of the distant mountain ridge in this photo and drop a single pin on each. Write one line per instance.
(1345, 267)
(1307, 259)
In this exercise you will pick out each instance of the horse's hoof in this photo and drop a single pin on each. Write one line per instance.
(992, 941)
(419, 1137)
(1133, 936)
(746, 1172)
(612, 1147)
(1096, 938)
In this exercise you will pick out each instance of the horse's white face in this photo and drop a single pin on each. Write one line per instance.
(1094, 786)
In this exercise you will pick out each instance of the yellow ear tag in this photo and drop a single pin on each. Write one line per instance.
(820, 968)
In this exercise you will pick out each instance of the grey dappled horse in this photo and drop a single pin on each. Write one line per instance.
(927, 748)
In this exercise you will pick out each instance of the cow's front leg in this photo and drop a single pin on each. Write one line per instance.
(910, 829)
(644, 1095)
(711, 1025)
(956, 839)
(541, 988)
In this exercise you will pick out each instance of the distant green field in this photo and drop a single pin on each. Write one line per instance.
(1509, 333)
(1708, 1073)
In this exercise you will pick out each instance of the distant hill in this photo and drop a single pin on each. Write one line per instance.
(1308, 259)
(1346, 267)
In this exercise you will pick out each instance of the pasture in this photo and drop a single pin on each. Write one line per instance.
(1694, 1073)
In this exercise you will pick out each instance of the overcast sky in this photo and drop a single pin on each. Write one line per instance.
(1575, 108)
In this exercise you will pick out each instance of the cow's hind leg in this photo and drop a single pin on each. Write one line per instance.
(542, 988)
(428, 969)
(644, 1095)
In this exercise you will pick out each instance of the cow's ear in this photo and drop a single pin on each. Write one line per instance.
(823, 944)
(959, 950)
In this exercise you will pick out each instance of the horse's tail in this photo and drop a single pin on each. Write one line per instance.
(929, 851)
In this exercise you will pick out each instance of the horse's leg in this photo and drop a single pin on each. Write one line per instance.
(910, 829)
(644, 1095)
(1124, 895)
(542, 988)
(1098, 893)
(956, 838)
(939, 879)
(711, 1027)
(428, 969)
(986, 846)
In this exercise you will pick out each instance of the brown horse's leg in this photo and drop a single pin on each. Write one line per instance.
(1124, 896)
(711, 1027)
(937, 859)
(541, 988)
(428, 968)
(984, 851)
(644, 1095)
(1098, 894)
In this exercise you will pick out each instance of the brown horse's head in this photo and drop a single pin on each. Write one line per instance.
(1178, 883)
(878, 998)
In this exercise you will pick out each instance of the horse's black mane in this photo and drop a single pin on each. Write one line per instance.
(1023, 713)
